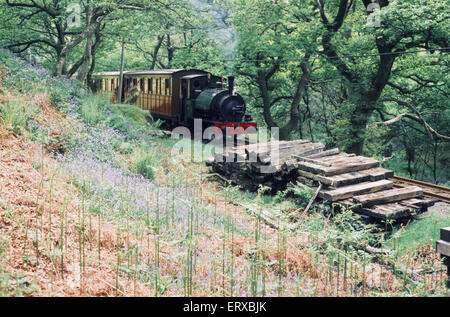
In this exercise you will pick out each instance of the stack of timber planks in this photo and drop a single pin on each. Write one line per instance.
(353, 181)
(258, 164)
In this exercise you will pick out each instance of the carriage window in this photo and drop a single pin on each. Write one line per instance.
(142, 84)
(163, 86)
(168, 89)
(150, 85)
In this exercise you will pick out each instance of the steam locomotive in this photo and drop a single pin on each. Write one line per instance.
(180, 96)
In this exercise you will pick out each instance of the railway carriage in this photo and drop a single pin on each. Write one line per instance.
(180, 96)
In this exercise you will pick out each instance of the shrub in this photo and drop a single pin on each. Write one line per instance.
(57, 97)
(15, 115)
(93, 110)
(133, 114)
(125, 148)
(302, 194)
(118, 123)
(144, 162)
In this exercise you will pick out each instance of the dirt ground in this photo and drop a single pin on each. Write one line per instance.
(440, 209)
(38, 203)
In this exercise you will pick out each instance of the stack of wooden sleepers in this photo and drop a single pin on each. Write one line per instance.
(353, 181)
(258, 164)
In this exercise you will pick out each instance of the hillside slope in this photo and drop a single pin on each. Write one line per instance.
(93, 204)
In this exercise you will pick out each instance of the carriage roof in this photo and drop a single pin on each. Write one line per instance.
(147, 72)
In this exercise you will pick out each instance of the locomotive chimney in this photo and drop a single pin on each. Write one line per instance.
(231, 84)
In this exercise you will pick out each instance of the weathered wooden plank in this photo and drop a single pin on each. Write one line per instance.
(349, 191)
(310, 160)
(335, 159)
(316, 177)
(293, 150)
(312, 168)
(419, 203)
(445, 234)
(351, 165)
(266, 147)
(379, 173)
(358, 177)
(443, 247)
(387, 211)
(325, 153)
(387, 196)
(282, 156)
(345, 179)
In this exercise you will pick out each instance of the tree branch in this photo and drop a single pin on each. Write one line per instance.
(416, 116)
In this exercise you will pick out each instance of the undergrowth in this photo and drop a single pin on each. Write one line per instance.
(179, 234)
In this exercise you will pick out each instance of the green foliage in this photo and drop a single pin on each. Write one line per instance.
(93, 110)
(339, 102)
(127, 119)
(302, 194)
(421, 232)
(331, 240)
(125, 115)
(58, 96)
(144, 162)
(15, 114)
(17, 284)
(125, 148)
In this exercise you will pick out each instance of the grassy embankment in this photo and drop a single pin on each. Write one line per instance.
(92, 203)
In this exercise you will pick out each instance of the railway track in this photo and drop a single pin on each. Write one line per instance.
(429, 190)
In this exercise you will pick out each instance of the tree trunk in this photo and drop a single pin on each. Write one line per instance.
(156, 51)
(357, 133)
(60, 64)
(170, 51)
(294, 117)
(62, 56)
(84, 68)
(98, 39)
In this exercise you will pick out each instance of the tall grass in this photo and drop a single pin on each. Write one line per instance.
(15, 114)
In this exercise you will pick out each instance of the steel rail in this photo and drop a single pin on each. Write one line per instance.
(437, 193)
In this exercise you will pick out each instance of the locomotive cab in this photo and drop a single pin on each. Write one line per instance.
(191, 88)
